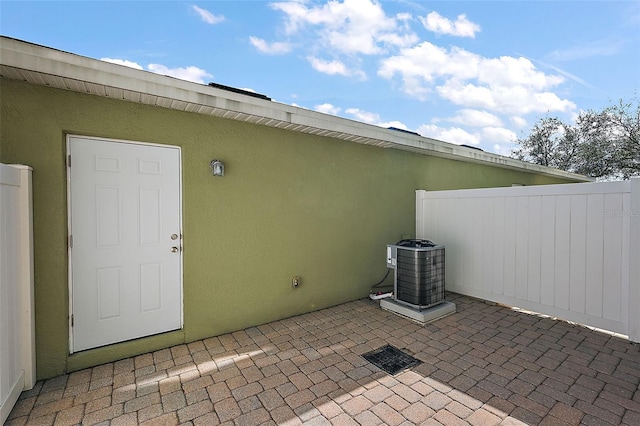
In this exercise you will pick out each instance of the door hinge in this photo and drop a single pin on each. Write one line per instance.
(70, 241)
(71, 320)
(69, 160)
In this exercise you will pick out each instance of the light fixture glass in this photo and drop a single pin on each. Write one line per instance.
(217, 167)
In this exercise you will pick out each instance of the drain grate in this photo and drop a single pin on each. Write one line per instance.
(391, 359)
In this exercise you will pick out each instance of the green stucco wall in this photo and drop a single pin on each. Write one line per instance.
(289, 204)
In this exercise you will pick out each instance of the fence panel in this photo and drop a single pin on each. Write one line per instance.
(17, 333)
(570, 251)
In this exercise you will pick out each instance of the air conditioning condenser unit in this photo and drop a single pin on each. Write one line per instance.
(419, 272)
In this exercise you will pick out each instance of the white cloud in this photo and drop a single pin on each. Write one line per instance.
(487, 135)
(505, 84)
(505, 150)
(428, 62)
(364, 116)
(454, 135)
(350, 26)
(404, 17)
(461, 27)
(191, 73)
(334, 67)
(509, 71)
(475, 118)
(207, 16)
(124, 62)
(360, 115)
(399, 39)
(328, 109)
(296, 15)
(274, 48)
(519, 121)
(328, 67)
(497, 134)
(396, 124)
(515, 99)
(421, 65)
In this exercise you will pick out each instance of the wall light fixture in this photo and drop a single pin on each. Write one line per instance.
(217, 167)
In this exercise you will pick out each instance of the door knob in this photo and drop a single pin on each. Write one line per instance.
(174, 249)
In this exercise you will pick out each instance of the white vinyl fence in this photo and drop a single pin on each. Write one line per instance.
(569, 251)
(17, 333)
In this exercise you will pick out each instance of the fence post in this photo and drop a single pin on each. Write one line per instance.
(420, 219)
(25, 217)
(634, 264)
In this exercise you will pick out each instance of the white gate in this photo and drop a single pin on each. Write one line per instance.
(570, 251)
(17, 319)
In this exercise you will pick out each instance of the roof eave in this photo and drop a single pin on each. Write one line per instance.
(54, 68)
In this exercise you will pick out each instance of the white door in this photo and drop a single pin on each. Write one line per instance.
(125, 241)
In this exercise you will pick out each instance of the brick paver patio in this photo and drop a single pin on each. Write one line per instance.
(484, 365)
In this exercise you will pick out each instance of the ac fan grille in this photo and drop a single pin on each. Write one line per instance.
(420, 277)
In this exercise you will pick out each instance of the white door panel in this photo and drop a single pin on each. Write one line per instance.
(126, 270)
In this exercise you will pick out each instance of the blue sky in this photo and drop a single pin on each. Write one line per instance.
(468, 72)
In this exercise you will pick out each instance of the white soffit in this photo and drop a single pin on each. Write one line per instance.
(44, 66)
